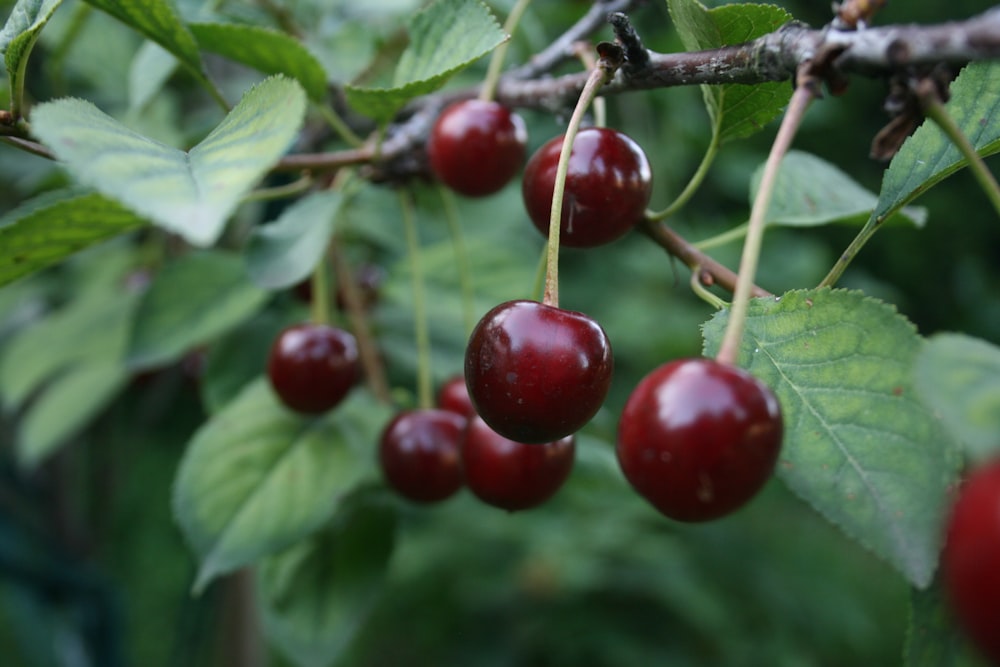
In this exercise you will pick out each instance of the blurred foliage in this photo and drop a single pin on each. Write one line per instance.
(91, 559)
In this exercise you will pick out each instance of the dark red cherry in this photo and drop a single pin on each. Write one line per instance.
(969, 568)
(699, 438)
(476, 147)
(454, 396)
(312, 367)
(513, 475)
(419, 454)
(608, 186)
(537, 373)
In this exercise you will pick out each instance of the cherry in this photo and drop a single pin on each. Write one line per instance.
(476, 147)
(513, 475)
(969, 562)
(699, 438)
(537, 373)
(608, 186)
(419, 454)
(312, 367)
(454, 396)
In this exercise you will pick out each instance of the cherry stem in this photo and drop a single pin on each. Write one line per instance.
(598, 77)
(585, 53)
(489, 88)
(930, 102)
(461, 257)
(425, 396)
(696, 180)
(805, 92)
(320, 304)
(340, 126)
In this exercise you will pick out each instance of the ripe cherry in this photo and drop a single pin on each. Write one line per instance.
(513, 475)
(419, 454)
(608, 186)
(312, 367)
(537, 373)
(476, 147)
(454, 396)
(699, 438)
(971, 553)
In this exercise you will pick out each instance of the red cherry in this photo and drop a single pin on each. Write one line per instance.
(699, 438)
(454, 396)
(312, 367)
(513, 475)
(608, 186)
(420, 454)
(969, 569)
(476, 147)
(537, 373)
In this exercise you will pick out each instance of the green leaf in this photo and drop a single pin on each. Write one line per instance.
(66, 407)
(151, 67)
(19, 34)
(191, 193)
(959, 377)
(282, 253)
(859, 445)
(933, 639)
(810, 191)
(257, 478)
(52, 226)
(927, 157)
(737, 110)
(264, 50)
(444, 38)
(159, 21)
(317, 594)
(190, 302)
(88, 330)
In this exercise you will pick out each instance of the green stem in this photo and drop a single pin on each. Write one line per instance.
(461, 258)
(703, 293)
(489, 88)
(281, 191)
(320, 305)
(213, 90)
(342, 129)
(734, 234)
(936, 111)
(696, 180)
(598, 77)
(851, 252)
(729, 349)
(425, 396)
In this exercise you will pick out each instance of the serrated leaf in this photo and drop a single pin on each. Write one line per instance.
(737, 110)
(317, 594)
(859, 445)
(932, 638)
(66, 407)
(20, 33)
(444, 38)
(959, 377)
(927, 157)
(190, 302)
(266, 51)
(88, 330)
(49, 228)
(810, 191)
(257, 478)
(160, 21)
(282, 253)
(192, 193)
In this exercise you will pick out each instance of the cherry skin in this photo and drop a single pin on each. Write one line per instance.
(513, 475)
(312, 367)
(476, 147)
(419, 454)
(699, 438)
(537, 373)
(454, 396)
(969, 561)
(608, 186)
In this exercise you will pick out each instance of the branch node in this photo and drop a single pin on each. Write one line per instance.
(636, 55)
